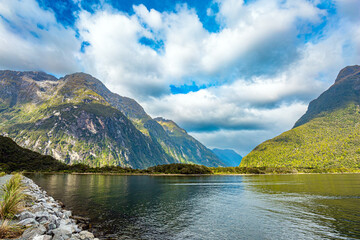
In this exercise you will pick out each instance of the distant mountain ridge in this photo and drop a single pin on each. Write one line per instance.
(326, 136)
(77, 119)
(228, 156)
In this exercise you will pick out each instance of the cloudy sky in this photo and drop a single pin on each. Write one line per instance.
(233, 73)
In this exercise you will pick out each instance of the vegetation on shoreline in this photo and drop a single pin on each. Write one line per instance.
(180, 168)
(193, 169)
(279, 170)
(15, 158)
(12, 202)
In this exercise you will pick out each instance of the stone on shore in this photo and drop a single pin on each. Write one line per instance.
(46, 220)
(32, 232)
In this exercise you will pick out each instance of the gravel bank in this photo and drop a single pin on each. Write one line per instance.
(45, 219)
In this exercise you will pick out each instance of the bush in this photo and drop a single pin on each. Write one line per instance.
(180, 168)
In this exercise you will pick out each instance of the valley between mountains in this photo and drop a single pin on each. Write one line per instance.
(77, 120)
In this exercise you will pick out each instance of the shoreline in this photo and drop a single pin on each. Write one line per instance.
(46, 218)
(185, 175)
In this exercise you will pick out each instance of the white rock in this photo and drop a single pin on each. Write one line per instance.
(25, 215)
(30, 233)
(62, 233)
(67, 214)
(28, 222)
(42, 237)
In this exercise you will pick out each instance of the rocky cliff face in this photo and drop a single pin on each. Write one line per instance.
(181, 147)
(77, 119)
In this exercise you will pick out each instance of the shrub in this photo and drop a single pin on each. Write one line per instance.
(180, 168)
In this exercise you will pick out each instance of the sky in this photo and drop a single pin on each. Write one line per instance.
(233, 73)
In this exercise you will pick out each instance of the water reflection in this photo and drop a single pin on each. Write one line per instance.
(214, 207)
(330, 204)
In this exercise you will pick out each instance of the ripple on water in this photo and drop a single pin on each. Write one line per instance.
(214, 207)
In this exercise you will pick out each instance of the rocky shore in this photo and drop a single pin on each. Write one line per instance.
(45, 218)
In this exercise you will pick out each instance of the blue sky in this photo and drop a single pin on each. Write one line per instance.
(233, 73)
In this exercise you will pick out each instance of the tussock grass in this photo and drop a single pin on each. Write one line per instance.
(2, 174)
(13, 197)
(9, 231)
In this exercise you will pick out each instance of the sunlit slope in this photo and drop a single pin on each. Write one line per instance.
(185, 148)
(67, 119)
(327, 136)
(330, 141)
(76, 119)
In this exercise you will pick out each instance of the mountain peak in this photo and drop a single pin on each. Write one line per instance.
(170, 125)
(344, 91)
(347, 72)
(162, 119)
(81, 78)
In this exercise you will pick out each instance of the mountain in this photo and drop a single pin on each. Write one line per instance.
(228, 156)
(77, 119)
(326, 136)
(14, 157)
(184, 147)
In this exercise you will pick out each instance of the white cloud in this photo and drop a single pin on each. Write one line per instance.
(224, 108)
(116, 56)
(153, 18)
(31, 39)
(262, 71)
(265, 31)
(261, 107)
(349, 9)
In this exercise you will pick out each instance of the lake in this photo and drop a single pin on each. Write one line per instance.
(304, 206)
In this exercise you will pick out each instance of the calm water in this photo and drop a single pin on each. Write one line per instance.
(214, 207)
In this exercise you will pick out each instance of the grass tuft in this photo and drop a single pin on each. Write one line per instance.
(10, 231)
(13, 197)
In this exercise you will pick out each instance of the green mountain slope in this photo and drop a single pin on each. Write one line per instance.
(77, 119)
(327, 136)
(65, 118)
(184, 147)
(180, 148)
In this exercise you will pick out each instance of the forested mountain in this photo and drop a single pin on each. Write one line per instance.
(326, 136)
(15, 158)
(77, 119)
